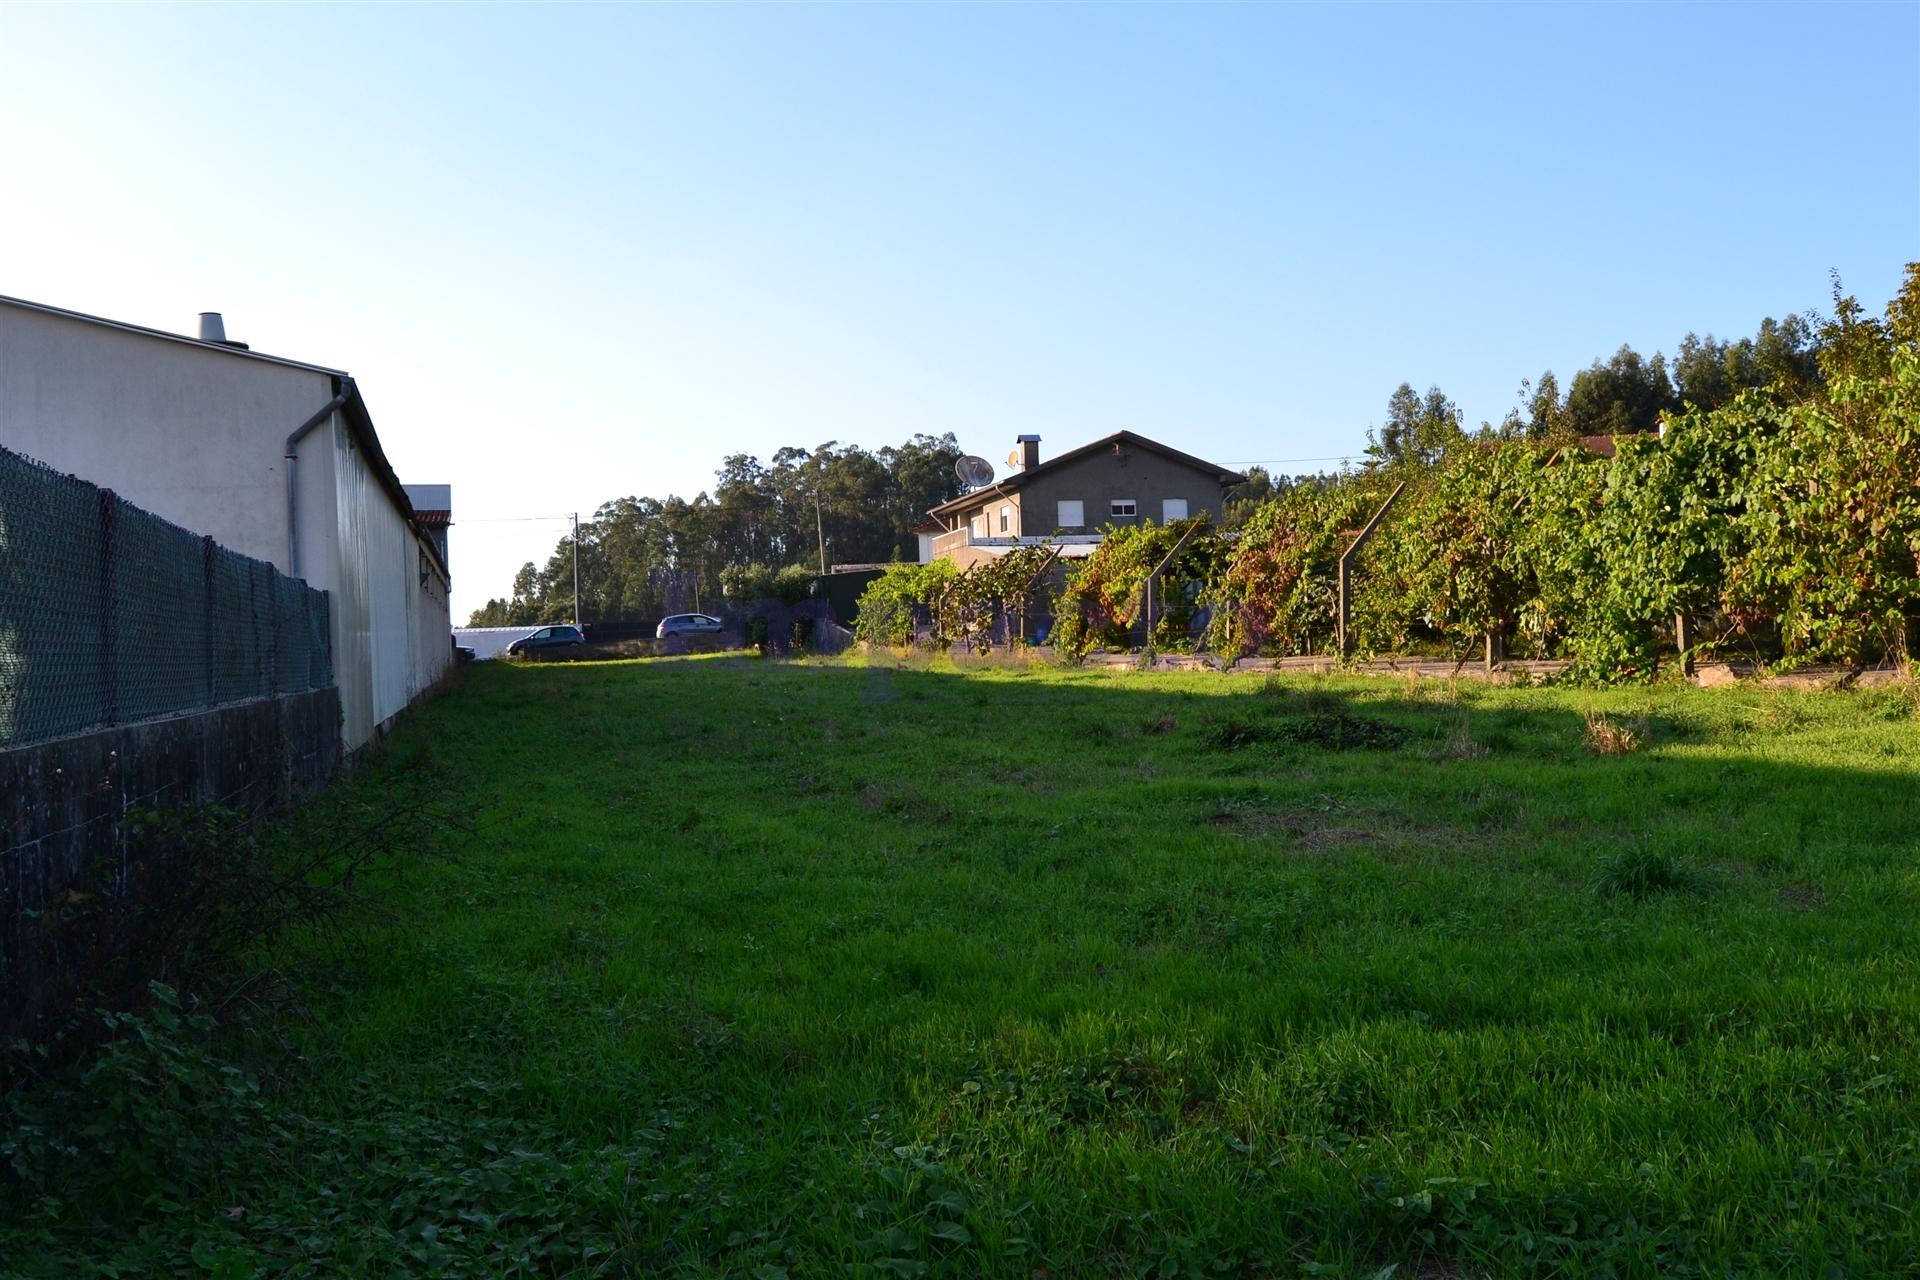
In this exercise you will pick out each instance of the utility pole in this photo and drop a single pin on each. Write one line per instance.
(576, 568)
(820, 527)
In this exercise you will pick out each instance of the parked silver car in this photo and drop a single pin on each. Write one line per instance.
(687, 624)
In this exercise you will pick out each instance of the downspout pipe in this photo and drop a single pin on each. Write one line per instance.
(325, 411)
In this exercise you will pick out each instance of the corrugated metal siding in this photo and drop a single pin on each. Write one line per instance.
(391, 630)
(433, 628)
(389, 580)
(354, 491)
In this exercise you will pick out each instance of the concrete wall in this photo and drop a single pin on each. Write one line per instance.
(62, 805)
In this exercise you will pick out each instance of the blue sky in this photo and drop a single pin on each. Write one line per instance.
(577, 253)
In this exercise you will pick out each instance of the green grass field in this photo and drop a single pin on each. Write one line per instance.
(812, 969)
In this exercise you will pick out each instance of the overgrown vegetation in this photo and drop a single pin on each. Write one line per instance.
(207, 903)
(1781, 516)
(887, 605)
(992, 602)
(726, 981)
(1105, 594)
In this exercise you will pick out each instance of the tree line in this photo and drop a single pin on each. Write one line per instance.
(641, 557)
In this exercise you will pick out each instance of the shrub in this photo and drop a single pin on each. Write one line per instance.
(886, 606)
(749, 584)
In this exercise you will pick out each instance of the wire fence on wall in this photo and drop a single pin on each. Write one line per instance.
(110, 615)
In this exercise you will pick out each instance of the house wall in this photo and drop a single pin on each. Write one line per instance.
(1096, 480)
(1141, 474)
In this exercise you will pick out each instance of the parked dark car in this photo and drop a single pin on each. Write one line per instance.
(687, 624)
(561, 637)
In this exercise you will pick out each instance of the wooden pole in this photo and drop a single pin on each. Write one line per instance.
(1164, 562)
(1343, 634)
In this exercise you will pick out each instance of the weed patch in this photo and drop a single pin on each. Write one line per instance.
(1605, 737)
(1641, 871)
(1341, 731)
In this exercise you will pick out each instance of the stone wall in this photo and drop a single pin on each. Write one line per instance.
(62, 802)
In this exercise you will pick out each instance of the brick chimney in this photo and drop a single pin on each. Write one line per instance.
(1029, 452)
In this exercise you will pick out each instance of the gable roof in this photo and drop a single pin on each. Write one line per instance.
(1013, 482)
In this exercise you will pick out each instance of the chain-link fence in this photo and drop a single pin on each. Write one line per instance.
(109, 614)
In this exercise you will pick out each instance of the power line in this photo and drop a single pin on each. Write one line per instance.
(1268, 462)
(506, 519)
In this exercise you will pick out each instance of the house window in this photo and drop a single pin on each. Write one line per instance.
(1006, 519)
(1123, 509)
(1073, 515)
(1173, 509)
(978, 526)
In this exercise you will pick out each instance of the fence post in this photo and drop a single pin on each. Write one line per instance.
(109, 631)
(273, 643)
(1683, 641)
(207, 548)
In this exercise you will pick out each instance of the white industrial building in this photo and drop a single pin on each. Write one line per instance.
(273, 458)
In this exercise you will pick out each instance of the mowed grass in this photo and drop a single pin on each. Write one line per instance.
(818, 969)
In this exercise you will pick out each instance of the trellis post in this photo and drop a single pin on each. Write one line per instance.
(1343, 629)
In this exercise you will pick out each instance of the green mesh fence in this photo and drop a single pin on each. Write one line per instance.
(109, 614)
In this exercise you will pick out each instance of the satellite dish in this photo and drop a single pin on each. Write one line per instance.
(974, 472)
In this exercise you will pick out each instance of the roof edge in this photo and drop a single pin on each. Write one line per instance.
(145, 332)
(1013, 482)
(360, 422)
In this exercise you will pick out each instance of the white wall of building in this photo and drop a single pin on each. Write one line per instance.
(172, 427)
(489, 642)
(392, 633)
(197, 434)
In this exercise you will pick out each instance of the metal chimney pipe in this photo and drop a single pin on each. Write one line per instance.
(212, 327)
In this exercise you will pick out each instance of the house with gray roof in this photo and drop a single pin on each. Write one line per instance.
(1117, 480)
